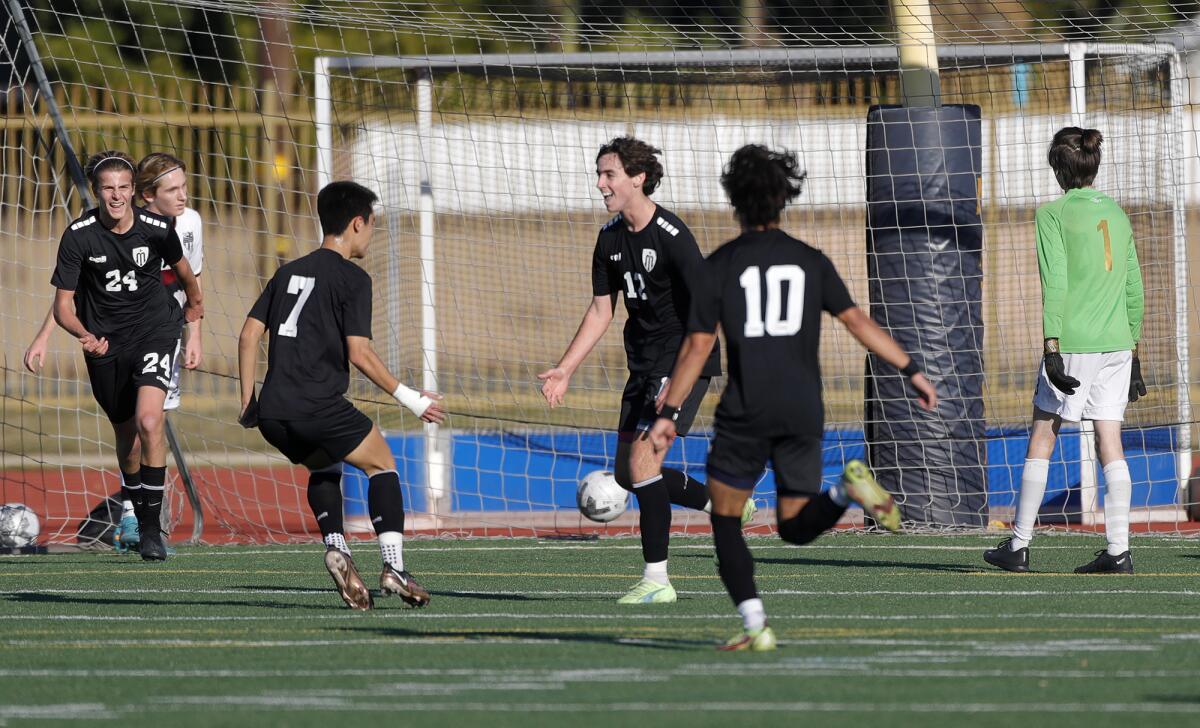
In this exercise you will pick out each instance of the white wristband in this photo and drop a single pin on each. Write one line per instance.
(416, 402)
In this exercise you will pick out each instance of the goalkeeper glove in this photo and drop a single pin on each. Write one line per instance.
(1056, 371)
(1137, 386)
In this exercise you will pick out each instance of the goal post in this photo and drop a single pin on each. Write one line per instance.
(428, 124)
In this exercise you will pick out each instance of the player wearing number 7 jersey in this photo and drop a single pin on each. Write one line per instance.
(1092, 306)
(318, 310)
(112, 298)
(766, 290)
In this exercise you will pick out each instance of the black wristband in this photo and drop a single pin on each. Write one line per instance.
(669, 412)
(911, 369)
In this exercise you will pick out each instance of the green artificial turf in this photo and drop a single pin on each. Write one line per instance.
(908, 630)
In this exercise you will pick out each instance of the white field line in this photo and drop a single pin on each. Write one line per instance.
(449, 641)
(584, 593)
(409, 614)
(230, 703)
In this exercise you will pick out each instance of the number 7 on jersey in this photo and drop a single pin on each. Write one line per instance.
(302, 285)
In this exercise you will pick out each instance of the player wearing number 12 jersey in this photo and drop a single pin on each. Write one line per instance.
(112, 298)
(766, 290)
(318, 312)
(1092, 307)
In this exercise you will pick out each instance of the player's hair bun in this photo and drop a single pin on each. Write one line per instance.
(1090, 140)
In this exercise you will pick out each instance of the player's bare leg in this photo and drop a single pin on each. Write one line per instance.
(385, 502)
(150, 421)
(736, 567)
(1012, 554)
(1118, 487)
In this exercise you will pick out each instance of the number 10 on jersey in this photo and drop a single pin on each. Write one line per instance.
(777, 321)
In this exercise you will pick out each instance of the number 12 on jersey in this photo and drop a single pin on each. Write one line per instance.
(777, 321)
(302, 285)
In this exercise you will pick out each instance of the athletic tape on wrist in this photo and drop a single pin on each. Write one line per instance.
(416, 402)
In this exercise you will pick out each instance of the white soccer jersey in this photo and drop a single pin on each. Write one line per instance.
(191, 235)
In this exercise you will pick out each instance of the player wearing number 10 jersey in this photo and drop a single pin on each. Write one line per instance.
(318, 311)
(112, 298)
(766, 290)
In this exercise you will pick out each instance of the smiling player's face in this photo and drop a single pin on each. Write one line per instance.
(618, 189)
(115, 187)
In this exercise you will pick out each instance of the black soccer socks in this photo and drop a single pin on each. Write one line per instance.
(734, 562)
(818, 516)
(385, 502)
(153, 480)
(654, 504)
(685, 490)
(325, 499)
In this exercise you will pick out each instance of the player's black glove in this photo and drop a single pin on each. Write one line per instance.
(1137, 386)
(1056, 372)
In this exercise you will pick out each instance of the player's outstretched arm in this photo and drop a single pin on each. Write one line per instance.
(35, 355)
(878, 341)
(595, 322)
(426, 405)
(248, 340)
(64, 314)
(690, 362)
(194, 310)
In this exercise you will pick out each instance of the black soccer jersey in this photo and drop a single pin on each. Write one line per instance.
(767, 291)
(309, 307)
(654, 268)
(119, 293)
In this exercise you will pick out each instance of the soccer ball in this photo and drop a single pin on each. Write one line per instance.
(18, 525)
(599, 497)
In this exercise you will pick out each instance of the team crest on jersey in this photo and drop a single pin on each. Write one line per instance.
(188, 239)
(141, 255)
(649, 258)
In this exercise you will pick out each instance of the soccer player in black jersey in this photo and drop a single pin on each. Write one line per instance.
(766, 290)
(647, 253)
(111, 297)
(318, 311)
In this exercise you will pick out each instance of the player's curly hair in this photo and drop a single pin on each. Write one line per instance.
(105, 161)
(1075, 156)
(338, 203)
(760, 183)
(636, 157)
(153, 168)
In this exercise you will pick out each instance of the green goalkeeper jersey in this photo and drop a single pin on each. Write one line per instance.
(1091, 283)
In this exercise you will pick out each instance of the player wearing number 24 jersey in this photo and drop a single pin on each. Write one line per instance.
(766, 291)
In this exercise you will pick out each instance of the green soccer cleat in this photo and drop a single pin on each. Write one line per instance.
(875, 501)
(649, 592)
(760, 640)
(127, 537)
(748, 511)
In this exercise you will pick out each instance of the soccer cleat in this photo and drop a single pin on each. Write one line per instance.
(748, 511)
(403, 585)
(759, 640)
(1106, 563)
(1004, 557)
(649, 592)
(126, 537)
(875, 501)
(350, 585)
(152, 548)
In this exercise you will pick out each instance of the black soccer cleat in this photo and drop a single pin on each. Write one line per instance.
(152, 547)
(403, 585)
(1106, 563)
(1004, 557)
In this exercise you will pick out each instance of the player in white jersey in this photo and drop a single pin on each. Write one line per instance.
(161, 184)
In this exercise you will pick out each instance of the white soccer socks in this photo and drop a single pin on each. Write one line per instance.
(1117, 493)
(754, 617)
(1033, 489)
(391, 548)
(656, 572)
(337, 541)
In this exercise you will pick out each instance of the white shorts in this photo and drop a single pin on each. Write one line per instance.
(172, 400)
(1103, 390)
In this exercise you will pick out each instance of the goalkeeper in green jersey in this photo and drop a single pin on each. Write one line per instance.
(1092, 306)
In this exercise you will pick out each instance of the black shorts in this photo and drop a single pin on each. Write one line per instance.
(738, 459)
(117, 376)
(336, 434)
(638, 412)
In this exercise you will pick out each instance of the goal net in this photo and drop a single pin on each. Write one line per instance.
(481, 144)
